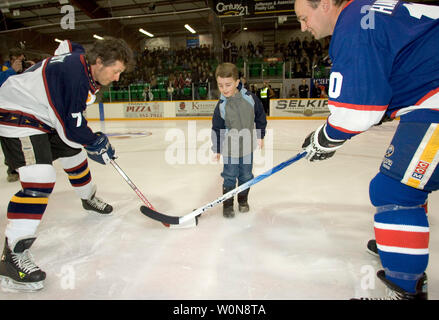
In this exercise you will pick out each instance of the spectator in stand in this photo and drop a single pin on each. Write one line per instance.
(315, 64)
(315, 90)
(243, 51)
(171, 79)
(203, 78)
(293, 93)
(305, 63)
(179, 85)
(297, 44)
(13, 66)
(153, 82)
(278, 54)
(303, 89)
(234, 53)
(188, 80)
(213, 86)
(227, 45)
(298, 71)
(317, 47)
(147, 94)
(251, 49)
(196, 81)
(260, 50)
(170, 90)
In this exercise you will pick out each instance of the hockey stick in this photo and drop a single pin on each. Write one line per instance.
(174, 220)
(190, 224)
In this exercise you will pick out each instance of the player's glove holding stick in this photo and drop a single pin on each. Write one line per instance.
(101, 150)
(319, 146)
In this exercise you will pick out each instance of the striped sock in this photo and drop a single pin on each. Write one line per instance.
(31, 201)
(79, 174)
(27, 206)
(402, 235)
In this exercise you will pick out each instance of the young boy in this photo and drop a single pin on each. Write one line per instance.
(234, 135)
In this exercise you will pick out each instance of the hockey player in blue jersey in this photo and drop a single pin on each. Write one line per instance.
(41, 120)
(385, 56)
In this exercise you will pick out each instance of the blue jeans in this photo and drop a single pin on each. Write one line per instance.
(237, 169)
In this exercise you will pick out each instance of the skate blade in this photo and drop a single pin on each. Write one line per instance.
(373, 253)
(97, 214)
(9, 285)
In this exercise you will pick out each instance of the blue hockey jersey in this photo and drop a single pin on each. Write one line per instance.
(385, 56)
(50, 96)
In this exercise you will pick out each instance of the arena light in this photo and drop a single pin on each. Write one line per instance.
(97, 37)
(189, 28)
(146, 32)
(57, 40)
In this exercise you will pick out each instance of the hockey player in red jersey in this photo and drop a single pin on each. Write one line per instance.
(41, 120)
(385, 56)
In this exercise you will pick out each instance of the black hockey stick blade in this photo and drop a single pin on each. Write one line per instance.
(175, 220)
(159, 216)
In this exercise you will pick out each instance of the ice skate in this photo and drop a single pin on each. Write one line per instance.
(372, 247)
(243, 201)
(394, 292)
(228, 211)
(96, 205)
(18, 272)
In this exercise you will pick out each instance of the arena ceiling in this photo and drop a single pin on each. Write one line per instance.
(36, 20)
(40, 22)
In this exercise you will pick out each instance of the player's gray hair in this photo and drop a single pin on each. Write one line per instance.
(315, 3)
(110, 50)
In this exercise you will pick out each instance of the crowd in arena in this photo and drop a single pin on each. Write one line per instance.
(174, 73)
(186, 73)
(302, 54)
(172, 70)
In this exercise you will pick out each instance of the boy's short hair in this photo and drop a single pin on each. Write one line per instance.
(227, 70)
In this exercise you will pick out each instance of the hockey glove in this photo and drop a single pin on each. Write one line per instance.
(101, 150)
(319, 146)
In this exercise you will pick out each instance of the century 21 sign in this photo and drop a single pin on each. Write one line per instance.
(231, 9)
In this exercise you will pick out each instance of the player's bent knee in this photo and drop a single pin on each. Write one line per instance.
(40, 173)
(384, 190)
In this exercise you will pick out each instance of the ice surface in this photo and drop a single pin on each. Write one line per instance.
(304, 237)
